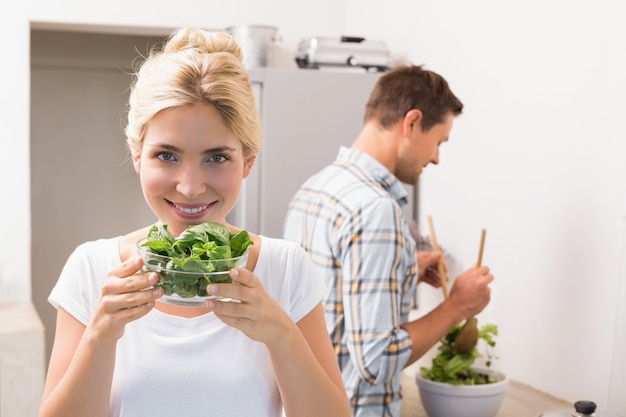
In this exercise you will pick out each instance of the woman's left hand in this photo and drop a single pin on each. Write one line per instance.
(254, 311)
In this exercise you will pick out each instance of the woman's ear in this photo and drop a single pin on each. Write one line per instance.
(412, 120)
(137, 163)
(247, 165)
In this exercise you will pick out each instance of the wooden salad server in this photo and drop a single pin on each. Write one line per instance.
(467, 337)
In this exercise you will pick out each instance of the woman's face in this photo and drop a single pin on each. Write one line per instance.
(191, 166)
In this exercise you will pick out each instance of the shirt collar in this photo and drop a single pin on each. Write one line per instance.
(376, 171)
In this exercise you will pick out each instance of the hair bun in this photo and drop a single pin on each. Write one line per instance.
(202, 40)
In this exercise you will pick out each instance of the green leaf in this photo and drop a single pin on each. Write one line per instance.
(239, 243)
(454, 368)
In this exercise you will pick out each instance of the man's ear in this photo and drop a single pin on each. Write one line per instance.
(412, 120)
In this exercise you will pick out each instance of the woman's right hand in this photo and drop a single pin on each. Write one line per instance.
(127, 294)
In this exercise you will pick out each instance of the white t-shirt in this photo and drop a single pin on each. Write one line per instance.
(173, 366)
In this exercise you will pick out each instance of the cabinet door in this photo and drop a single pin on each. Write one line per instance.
(306, 115)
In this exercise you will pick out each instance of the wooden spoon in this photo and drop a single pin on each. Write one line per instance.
(440, 269)
(467, 337)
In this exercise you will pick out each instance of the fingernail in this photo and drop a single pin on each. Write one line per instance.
(210, 304)
(212, 289)
(153, 277)
(234, 273)
(157, 292)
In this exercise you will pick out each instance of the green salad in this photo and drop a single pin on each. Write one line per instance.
(202, 254)
(455, 368)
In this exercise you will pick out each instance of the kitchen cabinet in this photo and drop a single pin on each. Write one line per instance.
(306, 116)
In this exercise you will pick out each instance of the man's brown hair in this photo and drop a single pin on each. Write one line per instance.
(410, 87)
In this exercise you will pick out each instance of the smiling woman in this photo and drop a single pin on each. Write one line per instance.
(193, 133)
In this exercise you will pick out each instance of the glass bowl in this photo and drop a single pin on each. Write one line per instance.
(186, 285)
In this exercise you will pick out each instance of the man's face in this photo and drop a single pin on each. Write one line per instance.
(422, 149)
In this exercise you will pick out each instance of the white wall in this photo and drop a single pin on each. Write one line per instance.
(537, 159)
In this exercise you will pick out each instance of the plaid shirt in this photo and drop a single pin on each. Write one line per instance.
(348, 217)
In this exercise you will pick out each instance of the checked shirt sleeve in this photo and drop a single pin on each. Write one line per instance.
(376, 267)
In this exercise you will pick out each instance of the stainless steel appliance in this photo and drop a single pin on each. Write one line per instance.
(346, 51)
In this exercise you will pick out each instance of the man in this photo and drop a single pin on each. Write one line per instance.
(349, 219)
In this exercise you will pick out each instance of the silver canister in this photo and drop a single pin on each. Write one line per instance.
(257, 43)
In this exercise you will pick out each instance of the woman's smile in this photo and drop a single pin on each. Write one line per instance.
(190, 210)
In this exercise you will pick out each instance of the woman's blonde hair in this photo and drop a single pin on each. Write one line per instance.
(194, 66)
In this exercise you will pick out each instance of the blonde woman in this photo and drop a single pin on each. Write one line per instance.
(193, 134)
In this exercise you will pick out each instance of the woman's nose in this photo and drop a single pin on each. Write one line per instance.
(191, 183)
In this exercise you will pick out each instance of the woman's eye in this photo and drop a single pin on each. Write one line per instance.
(217, 158)
(166, 156)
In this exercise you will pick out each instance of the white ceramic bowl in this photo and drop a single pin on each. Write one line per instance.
(447, 400)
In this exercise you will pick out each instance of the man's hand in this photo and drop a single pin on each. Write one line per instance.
(427, 263)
